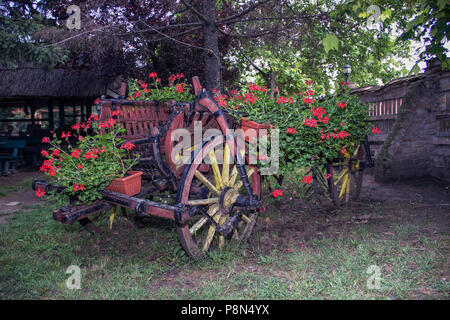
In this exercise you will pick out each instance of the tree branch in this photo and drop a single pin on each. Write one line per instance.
(266, 18)
(248, 35)
(242, 13)
(191, 7)
(165, 36)
(265, 74)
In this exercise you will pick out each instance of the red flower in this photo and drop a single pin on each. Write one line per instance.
(75, 153)
(44, 153)
(343, 150)
(277, 193)
(128, 146)
(93, 117)
(341, 105)
(45, 140)
(40, 192)
(282, 99)
(309, 93)
(96, 101)
(309, 100)
(80, 166)
(158, 79)
(65, 135)
(90, 155)
(116, 113)
(153, 75)
(310, 122)
(55, 152)
(328, 176)
(291, 130)
(308, 82)
(376, 130)
(78, 187)
(307, 179)
(179, 88)
(103, 150)
(76, 126)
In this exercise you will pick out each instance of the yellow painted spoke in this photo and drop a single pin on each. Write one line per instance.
(206, 182)
(344, 186)
(356, 150)
(340, 176)
(203, 201)
(211, 232)
(203, 220)
(245, 218)
(215, 167)
(233, 176)
(221, 236)
(226, 164)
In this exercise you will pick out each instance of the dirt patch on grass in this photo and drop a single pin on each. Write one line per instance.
(16, 193)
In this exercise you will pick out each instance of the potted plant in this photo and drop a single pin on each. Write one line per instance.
(311, 130)
(100, 159)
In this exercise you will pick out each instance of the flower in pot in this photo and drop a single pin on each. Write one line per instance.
(92, 163)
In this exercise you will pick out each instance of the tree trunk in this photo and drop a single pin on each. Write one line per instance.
(212, 56)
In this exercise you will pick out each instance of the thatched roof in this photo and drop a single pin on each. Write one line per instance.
(36, 82)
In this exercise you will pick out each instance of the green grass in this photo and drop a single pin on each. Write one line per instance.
(148, 263)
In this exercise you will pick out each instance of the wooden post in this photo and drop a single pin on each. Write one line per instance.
(33, 110)
(88, 107)
(83, 103)
(74, 109)
(51, 120)
(61, 114)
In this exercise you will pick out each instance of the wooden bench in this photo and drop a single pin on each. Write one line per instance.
(9, 151)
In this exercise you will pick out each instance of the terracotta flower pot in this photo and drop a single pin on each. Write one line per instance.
(254, 129)
(129, 185)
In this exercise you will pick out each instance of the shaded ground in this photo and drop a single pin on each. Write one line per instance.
(16, 193)
(295, 252)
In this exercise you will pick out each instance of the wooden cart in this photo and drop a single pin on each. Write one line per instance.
(217, 192)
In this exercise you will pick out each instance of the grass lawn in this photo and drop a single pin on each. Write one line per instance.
(295, 252)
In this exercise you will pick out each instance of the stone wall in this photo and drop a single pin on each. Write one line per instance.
(415, 140)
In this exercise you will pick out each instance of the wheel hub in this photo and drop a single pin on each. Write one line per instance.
(227, 198)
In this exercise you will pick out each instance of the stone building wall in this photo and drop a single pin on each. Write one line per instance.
(415, 136)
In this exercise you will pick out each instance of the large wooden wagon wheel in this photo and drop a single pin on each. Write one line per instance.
(217, 199)
(340, 181)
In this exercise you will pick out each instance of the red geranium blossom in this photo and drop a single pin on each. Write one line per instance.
(341, 105)
(127, 145)
(44, 153)
(376, 130)
(65, 135)
(78, 187)
(309, 100)
(75, 153)
(45, 140)
(291, 130)
(40, 192)
(310, 122)
(277, 193)
(307, 179)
